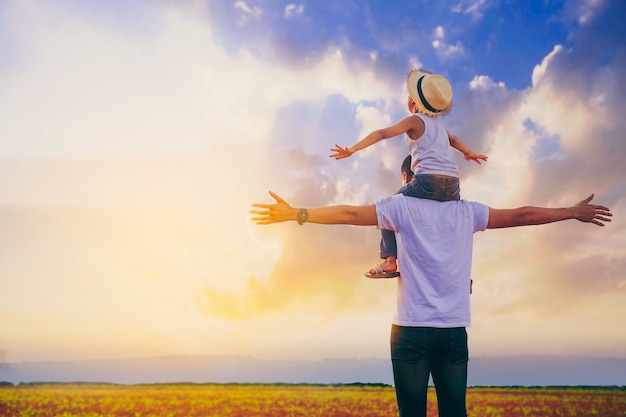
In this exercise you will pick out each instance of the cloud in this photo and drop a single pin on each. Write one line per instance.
(546, 146)
(444, 50)
(293, 9)
(475, 8)
(316, 265)
(540, 70)
(96, 94)
(551, 144)
(560, 141)
(366, 42)
(522, 131)
(133, 190)
(247, 12)
(584, 11)
(447, 51)
(585, 118)
(314, 275)
(144, 174)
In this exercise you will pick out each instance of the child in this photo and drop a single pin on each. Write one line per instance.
(436, 176)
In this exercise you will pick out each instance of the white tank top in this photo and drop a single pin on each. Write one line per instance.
(432, 153)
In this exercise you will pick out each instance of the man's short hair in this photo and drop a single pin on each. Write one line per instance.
(406, 166)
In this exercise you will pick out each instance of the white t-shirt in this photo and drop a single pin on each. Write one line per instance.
(435, 257)
(432, 153)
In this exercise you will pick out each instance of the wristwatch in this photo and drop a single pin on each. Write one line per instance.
(303, 216)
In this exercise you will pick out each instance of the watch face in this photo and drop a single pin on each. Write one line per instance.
(303, 215)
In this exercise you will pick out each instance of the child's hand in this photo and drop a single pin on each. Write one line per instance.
(339, 152)
(471, 156)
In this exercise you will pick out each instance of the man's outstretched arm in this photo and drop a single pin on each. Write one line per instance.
(527, 216)
(281, 211)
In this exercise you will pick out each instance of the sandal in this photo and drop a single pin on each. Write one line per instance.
(382, 274)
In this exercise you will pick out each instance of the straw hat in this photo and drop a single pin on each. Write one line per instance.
(432, 93)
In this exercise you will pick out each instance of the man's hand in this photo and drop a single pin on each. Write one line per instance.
(339, 152)
(471, 156)
(590, 213)
(274, 213)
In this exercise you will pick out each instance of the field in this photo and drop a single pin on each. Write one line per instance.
(189, 400)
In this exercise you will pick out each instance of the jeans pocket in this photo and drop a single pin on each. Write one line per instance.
(408, 343)
(432, 187)
(426, 185)
(458, 351)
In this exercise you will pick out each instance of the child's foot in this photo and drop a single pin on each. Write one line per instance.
(388, 265)
(387, 269)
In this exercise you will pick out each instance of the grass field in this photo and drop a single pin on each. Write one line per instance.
(189, 400)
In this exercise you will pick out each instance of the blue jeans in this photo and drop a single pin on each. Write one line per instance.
(417, 353)
(432, 187)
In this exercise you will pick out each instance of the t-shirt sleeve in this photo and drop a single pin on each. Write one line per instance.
(481, 216)
(386, 214)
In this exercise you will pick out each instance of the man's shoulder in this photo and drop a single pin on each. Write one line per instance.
(473, 203)
(475, 206)
(398, 210)
(399, 200)
(415, 200)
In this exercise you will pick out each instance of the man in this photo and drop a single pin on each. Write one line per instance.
(428, 335)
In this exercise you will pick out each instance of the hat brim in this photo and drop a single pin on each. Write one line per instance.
(411, 84)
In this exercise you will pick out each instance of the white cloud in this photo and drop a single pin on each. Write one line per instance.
(439, 32)
(415, 62)
(152, 157)
(587, 9)
(474, 8)
(540, 70)
(143, 174)
(565, 111)
(528, 275)
(483, 82)
(87, 92)
(444, 50)
(293, 9)
(248, 12)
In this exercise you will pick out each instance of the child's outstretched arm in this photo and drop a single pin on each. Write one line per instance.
(456, 143)
(339, 152)
(411, 123)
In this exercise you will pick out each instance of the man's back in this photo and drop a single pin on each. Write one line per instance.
(433, 265)
(435, 256)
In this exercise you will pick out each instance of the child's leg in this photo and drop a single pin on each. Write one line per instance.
(388, 252)
(388, 248)
(387, 244)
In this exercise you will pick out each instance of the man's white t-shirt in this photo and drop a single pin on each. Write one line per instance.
(435, 241)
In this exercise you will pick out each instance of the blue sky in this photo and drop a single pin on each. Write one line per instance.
(135, 135)
(462, 39)
(502, 39)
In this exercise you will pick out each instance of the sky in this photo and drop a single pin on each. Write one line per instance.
(135, 135)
